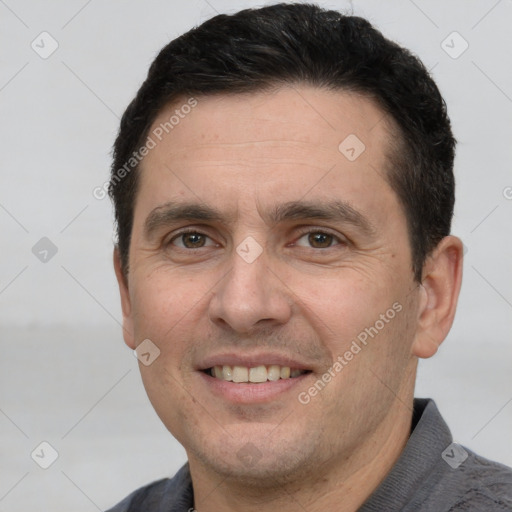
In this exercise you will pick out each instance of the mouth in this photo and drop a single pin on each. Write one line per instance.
(252, 378)
(255, 374)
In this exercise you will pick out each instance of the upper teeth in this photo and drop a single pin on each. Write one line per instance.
(255, 374)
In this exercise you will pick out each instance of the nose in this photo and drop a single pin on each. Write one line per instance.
(250, 296)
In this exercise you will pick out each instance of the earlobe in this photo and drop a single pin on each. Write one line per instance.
(122, 281)
(439, 292)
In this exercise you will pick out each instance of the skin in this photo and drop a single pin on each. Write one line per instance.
(245, 154)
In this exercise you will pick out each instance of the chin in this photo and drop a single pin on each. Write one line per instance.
(258, 463)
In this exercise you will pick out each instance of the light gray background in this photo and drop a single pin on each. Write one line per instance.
(65, 375)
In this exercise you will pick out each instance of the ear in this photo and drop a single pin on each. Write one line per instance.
(122, 281)
(439, 293)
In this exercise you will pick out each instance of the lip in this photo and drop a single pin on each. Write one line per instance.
(252, 393)
(252, 360)
(248, 393)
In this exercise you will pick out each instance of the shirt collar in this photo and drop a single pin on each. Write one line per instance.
(429, 437)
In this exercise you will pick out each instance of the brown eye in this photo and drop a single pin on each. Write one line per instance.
(318, 240)
(193, 240)
(190, 240)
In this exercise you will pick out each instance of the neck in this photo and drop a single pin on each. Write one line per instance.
(340, 482)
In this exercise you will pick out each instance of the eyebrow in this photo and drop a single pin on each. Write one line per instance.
(335, 211)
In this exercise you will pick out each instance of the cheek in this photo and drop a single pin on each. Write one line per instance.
(161, 302)
(343, 305)
(167, 313)
(167, 392)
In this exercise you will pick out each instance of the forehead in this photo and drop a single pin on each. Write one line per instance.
(285, 144)
(291, 113)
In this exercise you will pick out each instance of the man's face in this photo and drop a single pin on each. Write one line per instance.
(295, 248)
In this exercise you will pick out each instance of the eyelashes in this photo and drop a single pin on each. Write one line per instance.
(320, 239)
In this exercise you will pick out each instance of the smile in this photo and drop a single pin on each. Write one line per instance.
(256, 374)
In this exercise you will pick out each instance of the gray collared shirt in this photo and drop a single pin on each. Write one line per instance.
(431, 475)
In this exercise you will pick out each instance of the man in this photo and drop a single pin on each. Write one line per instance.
(283, 186)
